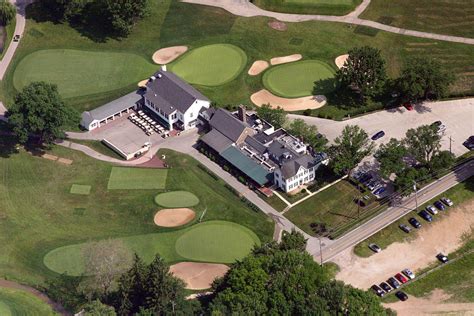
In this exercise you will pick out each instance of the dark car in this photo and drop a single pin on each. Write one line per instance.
(441, 257)
(393, 283)
(378, 135)
(377, 290)
(375, 248)
(401, 278)
(405, 228)
(439, 205)
(366, 177)
(426, 216)
(385, 287)
(414, 222)
(16, 38)
(379, 191)
(402, 296)
(469, 143)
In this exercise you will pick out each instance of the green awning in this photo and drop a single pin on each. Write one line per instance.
(248, 166)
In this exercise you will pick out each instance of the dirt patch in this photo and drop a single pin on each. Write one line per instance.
(65, 161)
(142, 83)
(198, 275)
(297, 104)
(340, 60)
(285, 59)
(445, 235)
(434, 304)
(173, 217)
(278, 25)
(50, 157)
(257, 67)
(166, 55)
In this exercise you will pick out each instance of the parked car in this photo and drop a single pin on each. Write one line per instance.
(440, 127)
(366, 178)
(385, 287)
(375, 248)
(409, 106)
(426, 216)
(393, 283)
(378, 135)
(447, 201)
(379, 191)
(441, 257)
(401, 278)
(414, 222)
(432, 209)
(377, 290)
(402, 296)
(440, 206)
(372, 184)
(408, 273)
(16, 38)
(469, 143)
(405, 228)
(378, 185)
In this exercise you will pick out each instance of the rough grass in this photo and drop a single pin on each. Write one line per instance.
(177, 199)
(10, 30)
(325, 7)
(80, 189)
(122, 178)
(17, 302)
(297, 79)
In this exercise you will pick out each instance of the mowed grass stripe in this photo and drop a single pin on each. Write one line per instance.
(80, 189)
(177, 199)
(16, 302)
(122, 178)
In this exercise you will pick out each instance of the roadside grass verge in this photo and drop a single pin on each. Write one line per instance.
(10, 29)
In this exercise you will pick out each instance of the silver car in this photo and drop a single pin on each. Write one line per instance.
(432, 209)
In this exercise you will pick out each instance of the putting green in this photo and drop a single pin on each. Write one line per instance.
(297, 79)
(122, 178)
(210, 65)
(80, 73)
(216, 241)
(176, 199)
(15, 302)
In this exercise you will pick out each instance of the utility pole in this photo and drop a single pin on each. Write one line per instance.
(450, 142)
(416, 195)
(320, 251)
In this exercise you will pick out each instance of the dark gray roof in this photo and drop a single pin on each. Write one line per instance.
(291, 167)
(227, 124)
(171, 93)
(216, 141)
(113, 107)
(255, 144)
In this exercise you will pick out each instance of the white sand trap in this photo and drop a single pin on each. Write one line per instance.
(257, 67)
(297, 104)
(172, 217)
(198, 275)
(168, 54)
(444, 235)
(142, 83)
(340, 60)
(285, 59)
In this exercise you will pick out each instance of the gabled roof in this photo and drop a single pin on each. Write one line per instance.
(171, 93)
(290, 168)
(111, 108)
(227, 124)
(216, 140)
(248, 166)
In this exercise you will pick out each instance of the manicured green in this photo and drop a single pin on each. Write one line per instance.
(80, 189)
(326, 7)
(211, 65)
(298, 79)
(20, 303)
(177, 199)
(216, 241)
(80, 73)
(123, 178)
(451, 17)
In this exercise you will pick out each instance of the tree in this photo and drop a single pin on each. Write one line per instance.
(406, 179)
(7, 12)
(123, 14)
(97, 308)
(423, 143)
(66, 291)
(308, 134)
(131, 290)
(104, 261)
(442, 160)
(423, 78)
(293, 240)
(39, 110)
(349, 149)
(390, 156)
(364, 71)
(276, 117)
(65, 10)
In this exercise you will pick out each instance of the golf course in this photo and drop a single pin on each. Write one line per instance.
(328, 7)
(176, 199)
(20, 303)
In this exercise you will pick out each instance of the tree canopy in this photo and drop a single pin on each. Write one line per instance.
(277, 117)
(423, 143)
(97, 308)
(308, 134)
(7, 12)
(390, 157)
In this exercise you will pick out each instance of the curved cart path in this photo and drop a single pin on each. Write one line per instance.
(246, 9)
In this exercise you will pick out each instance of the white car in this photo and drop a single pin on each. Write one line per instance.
(409, 274)
(432, 209)
(447, 201)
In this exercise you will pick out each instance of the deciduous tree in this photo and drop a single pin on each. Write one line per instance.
(7, 12)
(390, 156)
(123, 14)
(423, 143)
(276, 117)
(97, 308)
(308, 134)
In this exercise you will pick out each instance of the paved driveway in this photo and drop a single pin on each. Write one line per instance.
(457, 115)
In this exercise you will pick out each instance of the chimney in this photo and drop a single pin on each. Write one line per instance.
(163, 68)
(242, 113)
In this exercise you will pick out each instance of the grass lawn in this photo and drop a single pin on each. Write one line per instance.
(19, 303)
(122, 178)
(176, 199)
(326, 7)
(38, 214)
(80, 189)
(459, 193)
(10, 30)
(80, 73)
(297, 79)
(211, 65)
(98, 146)
(450, 17)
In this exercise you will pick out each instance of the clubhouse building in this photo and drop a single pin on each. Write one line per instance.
(263, 154)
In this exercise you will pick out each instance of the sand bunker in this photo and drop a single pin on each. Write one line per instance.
(257, 67)
(142, 83)
(340, 60)
(168, 54)
(173, 217)
(197, 275)
(285, 59)
(297, 104)
(278, 25)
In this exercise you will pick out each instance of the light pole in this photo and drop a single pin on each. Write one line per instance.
(320, 251)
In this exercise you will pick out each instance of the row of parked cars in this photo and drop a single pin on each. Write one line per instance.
(394, 283)
(375, 186)
(427, 214)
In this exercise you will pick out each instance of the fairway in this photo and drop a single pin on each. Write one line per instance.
(21, 303)
(297, 79)
(177, 199)
(81, 73)
(80, 189)
(210, 65)
(333, 2)
(216, 241)
(137, 178)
